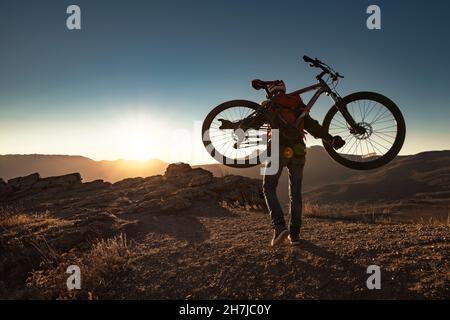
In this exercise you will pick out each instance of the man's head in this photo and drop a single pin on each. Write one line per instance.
(276, 88)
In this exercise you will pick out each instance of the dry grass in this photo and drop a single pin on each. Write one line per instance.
(11, 219)
(369, 213)
(34, 268)
(104, 268)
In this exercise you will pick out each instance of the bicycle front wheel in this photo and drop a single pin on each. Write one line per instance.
(380, 135)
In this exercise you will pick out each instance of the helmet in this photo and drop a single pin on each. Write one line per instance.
(276, 86)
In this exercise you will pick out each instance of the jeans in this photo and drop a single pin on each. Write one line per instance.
(295, 169)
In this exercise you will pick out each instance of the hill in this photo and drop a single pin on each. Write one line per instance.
(53, 165)
(418, 184)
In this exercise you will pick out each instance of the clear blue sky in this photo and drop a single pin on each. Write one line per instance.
(165, 64)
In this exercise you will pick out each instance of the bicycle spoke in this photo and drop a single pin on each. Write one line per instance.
(381, 115)
(379, 144)
(387, 135)
(384, 138)
(368, 140)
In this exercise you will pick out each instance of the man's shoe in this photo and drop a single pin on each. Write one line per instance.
(337, 142)
(226, 124)
(294, 239)
(279, 234)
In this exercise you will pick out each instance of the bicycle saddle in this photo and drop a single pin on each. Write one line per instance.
(260, 84)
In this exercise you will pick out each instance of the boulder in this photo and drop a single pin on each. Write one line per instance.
(24, 182)
(68, 180)
(200, 177)
(174, 170)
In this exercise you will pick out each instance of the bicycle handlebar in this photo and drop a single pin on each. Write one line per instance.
(314, 62)
(325, 68)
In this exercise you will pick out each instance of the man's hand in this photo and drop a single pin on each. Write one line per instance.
(226, 124)
(337, 142)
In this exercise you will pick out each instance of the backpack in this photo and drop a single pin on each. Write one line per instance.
(287, 109)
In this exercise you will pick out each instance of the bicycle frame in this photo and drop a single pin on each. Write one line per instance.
(322, 87)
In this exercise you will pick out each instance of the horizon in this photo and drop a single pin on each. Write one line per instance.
(168, 162)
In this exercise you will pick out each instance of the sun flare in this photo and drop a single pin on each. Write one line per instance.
(137, 138)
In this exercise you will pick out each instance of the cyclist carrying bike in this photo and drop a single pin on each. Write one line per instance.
(292, 156)
(371, 125)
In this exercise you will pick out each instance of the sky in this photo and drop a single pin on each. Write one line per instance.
(140, 76)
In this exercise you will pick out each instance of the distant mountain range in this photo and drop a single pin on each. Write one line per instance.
(424, 175)
(54, 165)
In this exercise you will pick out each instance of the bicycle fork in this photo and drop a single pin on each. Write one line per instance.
(354, 127)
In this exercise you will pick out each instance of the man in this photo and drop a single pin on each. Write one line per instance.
(292, 156)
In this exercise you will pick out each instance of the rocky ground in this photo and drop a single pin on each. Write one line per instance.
(189, 235)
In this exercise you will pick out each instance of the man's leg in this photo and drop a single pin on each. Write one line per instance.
(295, 169)
(270, 183)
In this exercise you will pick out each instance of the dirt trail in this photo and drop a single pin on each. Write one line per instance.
(226, 256)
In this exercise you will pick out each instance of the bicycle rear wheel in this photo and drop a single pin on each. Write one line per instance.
(228, 142)
(381, 135)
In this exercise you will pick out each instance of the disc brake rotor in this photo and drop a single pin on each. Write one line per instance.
(364, 131)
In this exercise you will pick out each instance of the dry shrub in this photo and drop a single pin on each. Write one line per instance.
(23, 246)
(104, 270)
(311, 209)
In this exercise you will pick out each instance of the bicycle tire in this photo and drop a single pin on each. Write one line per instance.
(207, 124)
(396, 145)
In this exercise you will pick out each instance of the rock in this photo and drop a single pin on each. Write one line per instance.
(24, 182)
(175, 203)
(128, 183)
(41, 184)
(96, 184)
(182, 187)
(86, 227)
(156, 194)
(200, 177)
(149, 205)
(4, 188)
(67, 180)
(153, 179)
(177, 169)
(195, 193)
(181, 174)
(3, 184)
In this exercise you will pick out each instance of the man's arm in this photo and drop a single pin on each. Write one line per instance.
(254, 122)
(316, 130)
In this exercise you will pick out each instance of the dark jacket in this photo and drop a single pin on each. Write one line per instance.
(290, 135)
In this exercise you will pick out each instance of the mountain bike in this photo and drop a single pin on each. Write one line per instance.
(371, 125)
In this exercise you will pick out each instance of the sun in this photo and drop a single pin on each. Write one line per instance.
(137, 138)
(139, 147)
